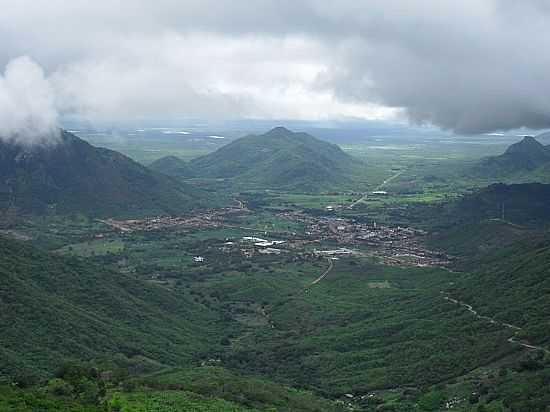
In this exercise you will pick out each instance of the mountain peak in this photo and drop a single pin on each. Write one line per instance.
(279, 158)
(529, 140)
(74, 176)
(528, 145)
(279, 131)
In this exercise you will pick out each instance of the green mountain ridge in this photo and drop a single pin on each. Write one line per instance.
(72, 176)
(524, 204)
(172, 166)
(278, 159)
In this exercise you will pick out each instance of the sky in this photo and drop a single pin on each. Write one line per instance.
(469, 66)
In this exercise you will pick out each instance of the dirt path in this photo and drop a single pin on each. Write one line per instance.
(489, 319)
(326, 272)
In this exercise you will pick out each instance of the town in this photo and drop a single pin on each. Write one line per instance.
(322, 236)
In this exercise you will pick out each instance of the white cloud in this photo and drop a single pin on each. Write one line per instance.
(27, 103)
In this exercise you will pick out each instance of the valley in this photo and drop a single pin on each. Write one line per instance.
(292, 300)
(274, 206)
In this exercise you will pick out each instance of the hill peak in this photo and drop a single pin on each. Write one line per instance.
(525, 155)
(276, 159)
(279, 131)
(527, 145)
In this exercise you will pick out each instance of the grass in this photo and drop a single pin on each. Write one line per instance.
(250, 391)
(316, 201)
(173, 401)
(93, 248)
(345, 336)
(13, 399)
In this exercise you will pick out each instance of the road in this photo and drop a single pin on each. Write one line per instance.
(320, 278)
(489, 319)
(326, 272)
(380, 186)
(240, 204)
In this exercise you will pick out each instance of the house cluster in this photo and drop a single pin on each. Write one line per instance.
(453, 403)
(250, 245)
(395, 245)
(334, 252)
(211, 218)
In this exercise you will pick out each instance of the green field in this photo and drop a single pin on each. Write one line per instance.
(96, 247)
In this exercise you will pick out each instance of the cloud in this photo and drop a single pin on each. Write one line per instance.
(27, 104)
(470, 66)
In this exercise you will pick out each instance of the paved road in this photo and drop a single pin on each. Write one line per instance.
(380, 186)
(489, 319)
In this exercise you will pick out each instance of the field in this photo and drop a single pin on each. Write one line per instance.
(93, 248)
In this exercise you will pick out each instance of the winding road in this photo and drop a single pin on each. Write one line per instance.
(489, 319)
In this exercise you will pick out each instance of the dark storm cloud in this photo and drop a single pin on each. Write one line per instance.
(469, 66)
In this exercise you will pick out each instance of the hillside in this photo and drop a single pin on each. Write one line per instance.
(524, 204)
(73, 176)
(512, 284)
(55, 309)
(543, 137)
(278, 159)
(172, 166)
(520, 158)
(472, 239)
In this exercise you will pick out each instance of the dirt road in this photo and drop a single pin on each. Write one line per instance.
(489, 319)
(326, 272)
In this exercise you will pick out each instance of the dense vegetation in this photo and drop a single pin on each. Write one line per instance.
(159, 331)
(512, 284)
(53, 309)
(475, 239)
(366, 327)
(520, 204)
(172, 166)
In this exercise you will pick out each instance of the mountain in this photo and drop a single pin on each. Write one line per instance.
(279, 159)
(473, 239)
(524, 156)
(57, 309)
(73, 176)
(172, 166)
